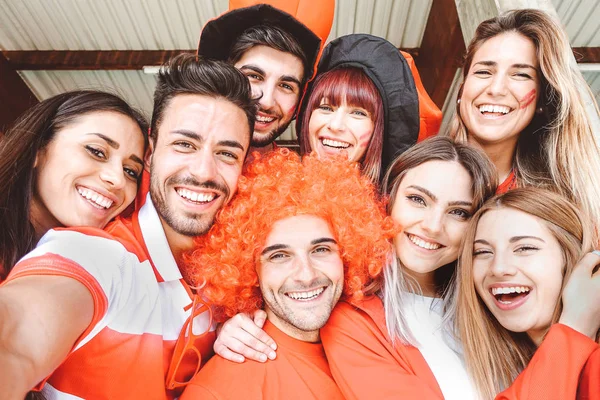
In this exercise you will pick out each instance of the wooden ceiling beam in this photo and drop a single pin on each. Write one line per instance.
(441, 51)
(55, 60)
(15, 95)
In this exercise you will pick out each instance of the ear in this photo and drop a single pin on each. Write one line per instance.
(148, 155)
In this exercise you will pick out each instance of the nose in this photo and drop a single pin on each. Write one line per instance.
(113, 174)
(204, 168)
(502, 266)
(433, 222)
(337, 120)
(305, 271)
(267, 100)
(497, 85)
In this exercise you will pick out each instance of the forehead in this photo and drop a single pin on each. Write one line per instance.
(507, 48)
(214, 118)
(447, 180)
(273, 62)
(298, 230)
(116, 126)
(504, 223)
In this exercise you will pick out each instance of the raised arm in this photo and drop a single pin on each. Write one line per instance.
(42, 318)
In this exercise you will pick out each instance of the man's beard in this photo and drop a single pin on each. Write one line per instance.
(262, 140)
(184, 223)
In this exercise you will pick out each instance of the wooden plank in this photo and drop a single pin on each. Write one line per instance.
(586, 55)
(89, 60)
(441, 51)
(15, 95)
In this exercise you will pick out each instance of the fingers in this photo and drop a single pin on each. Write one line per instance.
(241, 338)
(588, 263)
(260, 316)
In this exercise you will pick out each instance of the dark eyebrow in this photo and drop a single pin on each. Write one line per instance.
(461, 203)
(481, 241)
(274, 247)
(253, 68)
(517, 238)
(111, 143)
(135, 158)
(494, 63)
(231, 143)
(290, 78)
(323, 240)
(422, 189)
(189, 134)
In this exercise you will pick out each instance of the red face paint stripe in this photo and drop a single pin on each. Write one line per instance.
(528, 99)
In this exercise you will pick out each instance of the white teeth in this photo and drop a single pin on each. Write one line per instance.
(261, 118)
(95, 197)
(421, 243)
(508, 290)
(197, 197)
(335, 143)
(493, 108)
(305, 295)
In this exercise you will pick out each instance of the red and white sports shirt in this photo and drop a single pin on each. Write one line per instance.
(139, 300)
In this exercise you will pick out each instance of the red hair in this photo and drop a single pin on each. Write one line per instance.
(278, 186)
(357, 89)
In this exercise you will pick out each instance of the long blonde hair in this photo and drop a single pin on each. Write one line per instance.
(494, 356)
(484, 181)
(558, 149)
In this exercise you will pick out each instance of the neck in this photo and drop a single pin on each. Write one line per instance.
(41, 219)
(426, 282)
(501, 154)
(290, 330)
(178, 243)
(536, 336)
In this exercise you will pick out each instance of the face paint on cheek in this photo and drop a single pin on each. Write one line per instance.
(363, 140)
(528, 99)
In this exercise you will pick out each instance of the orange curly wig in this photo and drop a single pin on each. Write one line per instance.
(278, 186)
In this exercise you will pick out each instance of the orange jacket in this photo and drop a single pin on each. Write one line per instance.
(366, 365)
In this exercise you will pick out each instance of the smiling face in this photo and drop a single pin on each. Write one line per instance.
(433, 205)
(301, 275)
(88, 173)
(518, 270)
(195, 163)
(501, 90)
(275, 77)
(343, 129)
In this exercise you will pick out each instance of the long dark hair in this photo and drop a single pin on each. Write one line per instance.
(32, 132)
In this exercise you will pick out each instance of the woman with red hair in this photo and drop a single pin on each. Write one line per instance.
(367, 104)
(275, 187)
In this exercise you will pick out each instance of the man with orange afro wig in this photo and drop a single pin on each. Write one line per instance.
(297, 237)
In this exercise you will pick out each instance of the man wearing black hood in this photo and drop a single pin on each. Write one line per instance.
(276, 45)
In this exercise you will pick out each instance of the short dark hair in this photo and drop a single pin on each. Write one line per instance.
(270, 36)
(191, 74)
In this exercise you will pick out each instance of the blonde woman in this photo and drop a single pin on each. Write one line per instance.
(519, 251)
(519, 102)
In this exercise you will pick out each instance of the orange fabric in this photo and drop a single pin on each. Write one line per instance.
(509, 183)
(429, 114)
(315, 15)
(365, 364)
(589, 384)
(300, 371)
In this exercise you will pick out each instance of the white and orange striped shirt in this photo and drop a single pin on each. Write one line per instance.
(139, 301)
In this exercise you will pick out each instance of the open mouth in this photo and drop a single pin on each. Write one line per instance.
(422, 243)
(494, 110)
(264, 119)
(94, 198)
(305, 296)
(196, 197)
(510, 295)
(335, 144)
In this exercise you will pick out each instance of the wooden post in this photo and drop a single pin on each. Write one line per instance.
(15, 95)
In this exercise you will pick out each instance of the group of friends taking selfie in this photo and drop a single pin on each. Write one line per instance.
(191, 257)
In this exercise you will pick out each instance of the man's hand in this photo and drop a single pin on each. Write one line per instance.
(242, 337)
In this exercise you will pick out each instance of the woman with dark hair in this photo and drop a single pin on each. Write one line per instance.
(366, 103)
(72, 160)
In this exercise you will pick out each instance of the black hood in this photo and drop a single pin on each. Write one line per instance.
(391, 74)
(219, 34)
